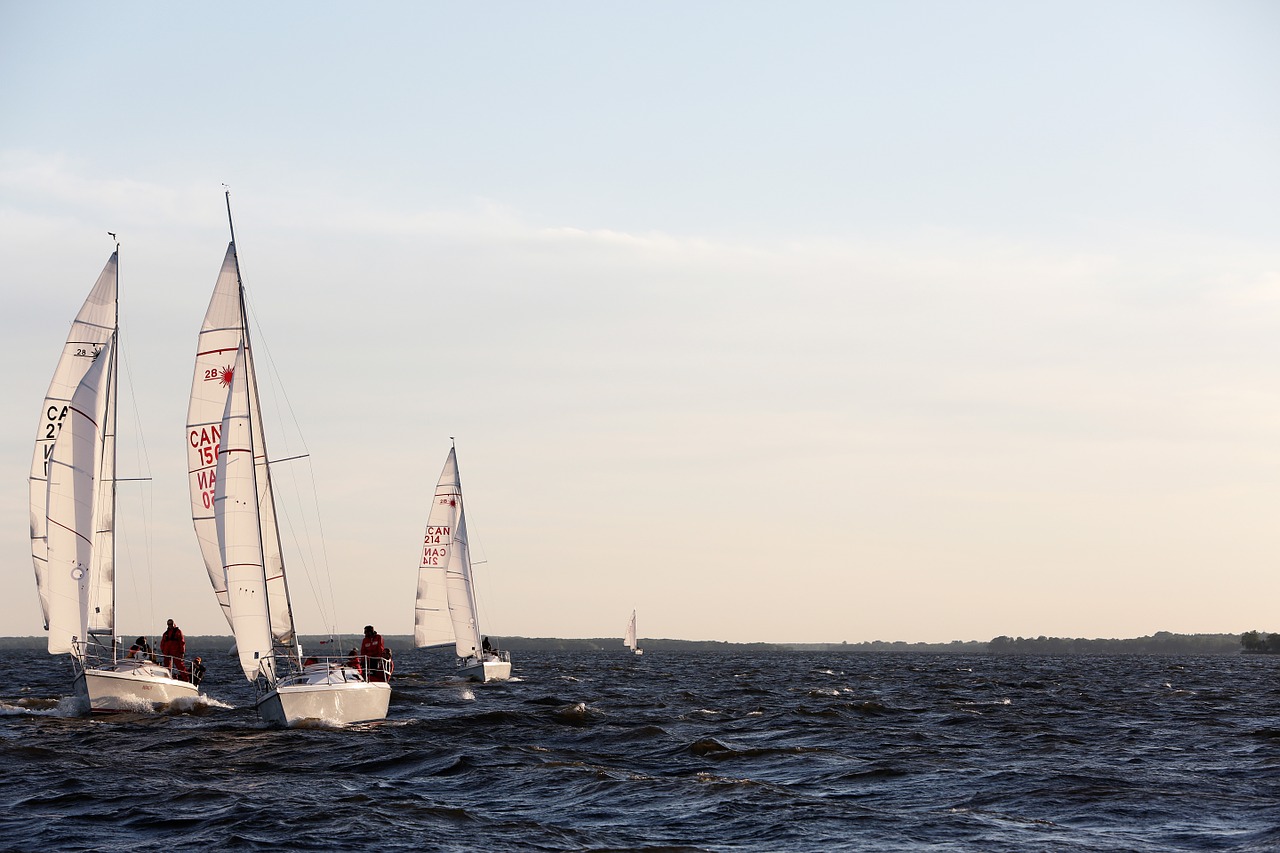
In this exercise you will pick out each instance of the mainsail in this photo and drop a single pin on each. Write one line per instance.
(73, 505)
(221, 336)
(238, 527)
(90, 331)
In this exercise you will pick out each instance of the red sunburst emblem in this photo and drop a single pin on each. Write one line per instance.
(224, 375)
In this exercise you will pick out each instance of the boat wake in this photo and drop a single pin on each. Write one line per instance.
(314, 723)
(67, 706)
(195, 705)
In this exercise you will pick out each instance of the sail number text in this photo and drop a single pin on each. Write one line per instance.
(435, 546)
(204, 442)
(53, 418)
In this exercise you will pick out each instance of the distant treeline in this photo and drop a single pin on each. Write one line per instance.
(1160, 643)
(1256, 643)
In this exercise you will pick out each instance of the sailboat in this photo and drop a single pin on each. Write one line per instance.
(630, 640)
(445, 611)
(234, 513)
(73, 512)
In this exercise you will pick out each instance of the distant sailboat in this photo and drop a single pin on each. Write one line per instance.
(630, 640)
(233, 510)
(73, 511)
(445, 610)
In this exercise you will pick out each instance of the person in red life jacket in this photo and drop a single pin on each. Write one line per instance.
(173, 646)
(371, 648)
(353, 661)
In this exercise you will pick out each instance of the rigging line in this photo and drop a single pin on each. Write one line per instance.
(306, 552)
(474, 543)
(280, 394)
(302, 547)
(324, 551)
(304, 544)
(146, 499)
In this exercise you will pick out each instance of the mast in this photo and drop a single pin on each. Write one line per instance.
(255, 405)
(112, 401)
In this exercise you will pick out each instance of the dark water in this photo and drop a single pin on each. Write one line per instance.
(675, 752)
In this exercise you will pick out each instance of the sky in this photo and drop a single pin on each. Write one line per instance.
(780, 322)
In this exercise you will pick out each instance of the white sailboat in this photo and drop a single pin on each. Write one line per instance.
(73, 510)
(233, 510)
(630, 640)
(445, 611)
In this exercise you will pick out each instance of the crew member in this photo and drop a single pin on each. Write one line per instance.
(371, 648)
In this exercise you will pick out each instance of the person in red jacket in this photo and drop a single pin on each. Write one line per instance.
(173, 645)
(371, 648)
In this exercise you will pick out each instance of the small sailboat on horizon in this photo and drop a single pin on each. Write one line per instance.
(73, 517)
(445, 608)
(630, 639)
(234, 514)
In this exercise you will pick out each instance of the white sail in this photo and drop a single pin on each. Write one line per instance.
(89, 332)
(630, 640)
(462, 597)
(102, 576)
(446, 610)
(71, 501)
(431, 623)
(237, 524)
(220, 339)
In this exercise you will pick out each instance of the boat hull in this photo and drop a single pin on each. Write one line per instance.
(489, 670)
(338, 703)
(127, 687)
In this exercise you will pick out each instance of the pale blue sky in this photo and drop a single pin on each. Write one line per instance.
(779, 322)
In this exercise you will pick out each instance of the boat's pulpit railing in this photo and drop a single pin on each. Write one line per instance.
(268, 674)
(90, 654)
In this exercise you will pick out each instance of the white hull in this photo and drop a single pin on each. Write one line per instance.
(125, 686)
(639, 651)
(489, 670)
(340, 703)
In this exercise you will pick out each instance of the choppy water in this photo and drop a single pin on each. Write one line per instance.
(715, 752)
